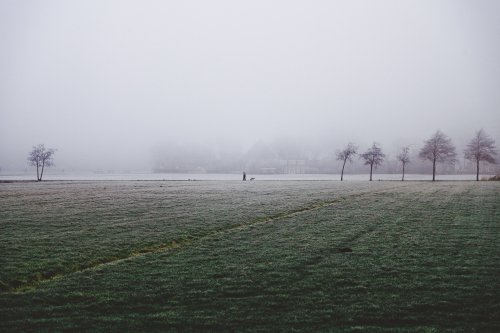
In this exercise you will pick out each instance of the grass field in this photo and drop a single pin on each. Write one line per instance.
(297, 256)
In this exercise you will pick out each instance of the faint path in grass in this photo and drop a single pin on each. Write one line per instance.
(187, 241)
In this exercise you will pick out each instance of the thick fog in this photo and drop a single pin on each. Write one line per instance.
(124, 84)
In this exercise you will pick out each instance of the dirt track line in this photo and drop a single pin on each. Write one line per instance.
(186, 242)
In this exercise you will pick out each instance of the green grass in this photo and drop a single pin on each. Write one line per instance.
(255, 256)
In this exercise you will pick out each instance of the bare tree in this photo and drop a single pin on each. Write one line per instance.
(481, 148)
(373, 157)
(438, 149)
(345, 155)
(404, 158)
(41, 157)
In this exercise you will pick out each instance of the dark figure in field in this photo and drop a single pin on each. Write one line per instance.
(244, 176)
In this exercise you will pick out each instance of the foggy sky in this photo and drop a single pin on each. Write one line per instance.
(105, 82)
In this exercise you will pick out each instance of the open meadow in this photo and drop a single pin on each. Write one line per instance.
(281, 256)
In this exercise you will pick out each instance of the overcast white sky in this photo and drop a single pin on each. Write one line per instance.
(104, 81)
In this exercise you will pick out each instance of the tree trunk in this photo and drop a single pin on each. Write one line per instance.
(342, 174)
(37, 172)
(477, 170)
(371, 170)
(403, 178)
(434, 170)
(41, 174)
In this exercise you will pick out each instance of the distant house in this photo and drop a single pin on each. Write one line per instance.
(269, 171)
(293, 166)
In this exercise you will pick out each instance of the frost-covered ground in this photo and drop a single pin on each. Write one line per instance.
(250, 256)
(236, 176)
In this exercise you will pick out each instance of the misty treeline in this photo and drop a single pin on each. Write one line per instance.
(437, 154)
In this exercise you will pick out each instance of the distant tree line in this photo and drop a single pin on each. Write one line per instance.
(437, 149)
(290, 156)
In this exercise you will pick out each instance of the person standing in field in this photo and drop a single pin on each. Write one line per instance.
(244, 176)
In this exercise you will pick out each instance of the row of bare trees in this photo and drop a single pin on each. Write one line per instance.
(437, 149)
